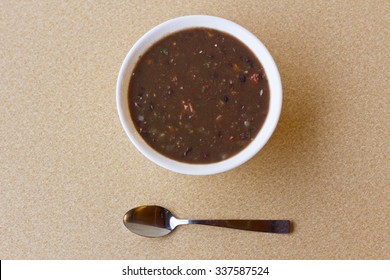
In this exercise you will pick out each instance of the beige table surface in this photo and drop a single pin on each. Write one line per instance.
(68, 172)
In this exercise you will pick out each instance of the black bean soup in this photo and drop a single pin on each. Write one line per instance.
(198, 96)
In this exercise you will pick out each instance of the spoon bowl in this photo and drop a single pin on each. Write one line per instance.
(149, 221)
(157, 221)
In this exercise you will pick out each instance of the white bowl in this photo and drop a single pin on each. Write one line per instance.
(223, 25)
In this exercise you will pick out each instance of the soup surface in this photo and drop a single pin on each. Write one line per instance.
(198, 96)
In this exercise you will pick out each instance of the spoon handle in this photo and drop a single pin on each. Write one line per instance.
(273, 226)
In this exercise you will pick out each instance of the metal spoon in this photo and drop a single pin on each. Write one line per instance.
(156, 221)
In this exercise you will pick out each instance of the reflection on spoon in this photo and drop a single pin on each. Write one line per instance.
(156, 221)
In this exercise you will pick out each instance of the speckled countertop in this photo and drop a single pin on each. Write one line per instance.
(68, 173)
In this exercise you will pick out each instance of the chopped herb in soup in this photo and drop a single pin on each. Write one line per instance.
(198, 96)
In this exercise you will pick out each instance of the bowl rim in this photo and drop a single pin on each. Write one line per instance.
(192, 21)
